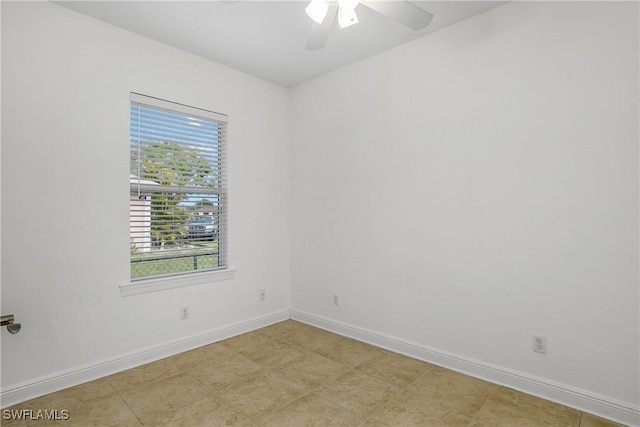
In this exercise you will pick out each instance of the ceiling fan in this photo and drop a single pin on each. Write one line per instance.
(323, 14)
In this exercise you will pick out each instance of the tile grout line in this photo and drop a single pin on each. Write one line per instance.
(484, 402)
(351, 369)
(388, 401)
(130, 408)
(255, 420)
(282, 338)
(180, 371)
(312, 390)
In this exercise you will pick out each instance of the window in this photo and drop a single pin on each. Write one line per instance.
(178, 190)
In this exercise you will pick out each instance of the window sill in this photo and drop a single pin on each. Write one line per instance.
(177, 281)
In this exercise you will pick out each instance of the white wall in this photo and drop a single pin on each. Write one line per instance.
(476, 186)
(462, 192)
(66, 80)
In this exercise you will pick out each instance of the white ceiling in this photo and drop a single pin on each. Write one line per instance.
(267, 38)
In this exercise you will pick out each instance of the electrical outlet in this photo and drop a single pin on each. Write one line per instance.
(335, 300)
(540, 344)
(184, 313)
(263, 294)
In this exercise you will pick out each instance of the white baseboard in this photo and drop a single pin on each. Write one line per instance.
(68, 378)
(566, 395)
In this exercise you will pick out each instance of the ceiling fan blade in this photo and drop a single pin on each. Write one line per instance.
(403, 12)
(320, 32)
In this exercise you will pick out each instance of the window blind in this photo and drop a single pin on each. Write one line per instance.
(178, 188)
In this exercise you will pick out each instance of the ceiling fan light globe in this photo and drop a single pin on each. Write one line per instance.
(317, 10)
(346, 18)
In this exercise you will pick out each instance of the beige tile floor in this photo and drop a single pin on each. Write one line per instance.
(291, 374)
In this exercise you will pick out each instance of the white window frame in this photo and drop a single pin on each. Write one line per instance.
(188, 278)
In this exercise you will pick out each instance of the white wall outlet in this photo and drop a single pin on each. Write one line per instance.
(540, 344)
(263, 294)
(184, 313)
(335, 300)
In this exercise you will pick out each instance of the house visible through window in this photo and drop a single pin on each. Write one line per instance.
(178, 189)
